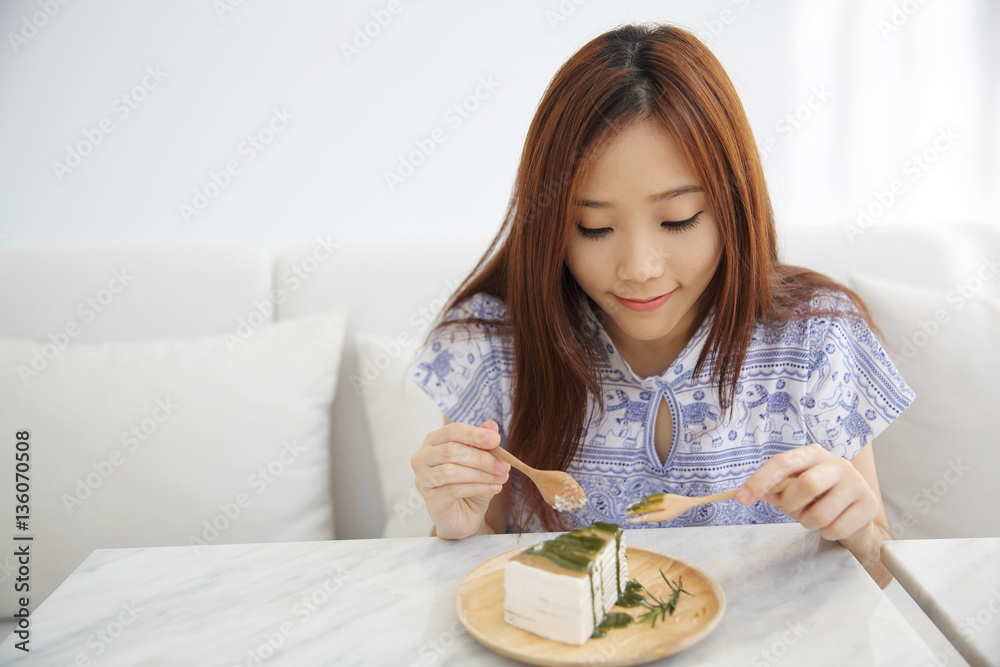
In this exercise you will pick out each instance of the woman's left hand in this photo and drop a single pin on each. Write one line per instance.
(825, 491)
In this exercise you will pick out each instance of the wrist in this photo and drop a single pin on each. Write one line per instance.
(867, 542)
(866, 546)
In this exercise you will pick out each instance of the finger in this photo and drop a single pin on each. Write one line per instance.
(794, 516)
(474, 436)
(453, 492)
(852, 520)
(825, 510)
(455, 452)
(774, 495)
(807, 488)
(776, 469)
(452, 473)
(773, 498)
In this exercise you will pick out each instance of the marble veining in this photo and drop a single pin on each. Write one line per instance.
(791, 599)
(957, 584)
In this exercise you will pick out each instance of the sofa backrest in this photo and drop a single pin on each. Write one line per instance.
(939, 257)
(121, 294)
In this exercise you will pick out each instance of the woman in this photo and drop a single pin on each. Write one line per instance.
(631, 324)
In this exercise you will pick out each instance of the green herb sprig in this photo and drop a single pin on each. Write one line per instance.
(660, 608)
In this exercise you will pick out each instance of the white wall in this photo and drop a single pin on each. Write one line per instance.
(884, 80)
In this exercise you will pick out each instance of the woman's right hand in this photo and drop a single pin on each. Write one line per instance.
(458, 476)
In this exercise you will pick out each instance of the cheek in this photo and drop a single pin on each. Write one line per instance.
(570, 260)
(693, 261)
(709, 264)
(582, 263)
(705, 257)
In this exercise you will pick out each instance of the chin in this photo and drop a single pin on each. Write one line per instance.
(648, 332)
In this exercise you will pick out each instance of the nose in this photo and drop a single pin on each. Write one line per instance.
(640, 260)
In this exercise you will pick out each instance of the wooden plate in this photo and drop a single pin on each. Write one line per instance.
(480, 608)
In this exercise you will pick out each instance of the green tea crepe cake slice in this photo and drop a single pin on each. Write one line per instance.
(562, 588)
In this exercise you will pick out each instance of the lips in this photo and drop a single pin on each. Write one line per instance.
(644, 305)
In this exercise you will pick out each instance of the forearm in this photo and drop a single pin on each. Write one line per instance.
(866, 546)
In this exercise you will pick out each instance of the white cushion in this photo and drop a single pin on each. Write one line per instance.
(399, 417)
(172, 442)
(937, 463)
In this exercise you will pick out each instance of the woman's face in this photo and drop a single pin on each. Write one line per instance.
(643, 242)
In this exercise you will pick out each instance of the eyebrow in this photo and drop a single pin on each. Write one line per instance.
(669, 194)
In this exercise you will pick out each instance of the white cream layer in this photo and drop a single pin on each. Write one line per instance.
(563, 607)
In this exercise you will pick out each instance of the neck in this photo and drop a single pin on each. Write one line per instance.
(647, 358)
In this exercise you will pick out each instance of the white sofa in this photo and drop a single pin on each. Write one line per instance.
(296, 421)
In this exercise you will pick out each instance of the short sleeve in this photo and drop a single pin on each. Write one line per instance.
(853, 390)
(465, 368)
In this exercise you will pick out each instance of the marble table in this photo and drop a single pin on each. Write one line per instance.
(792, 599)
(957, 584)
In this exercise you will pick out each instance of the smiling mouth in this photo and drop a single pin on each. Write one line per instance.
(643, 300)
(645, 305)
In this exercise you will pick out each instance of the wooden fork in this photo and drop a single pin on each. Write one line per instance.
(558, 489)
(666, 506)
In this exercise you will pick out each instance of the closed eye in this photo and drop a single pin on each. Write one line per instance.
(681, 225)
(589, 233)
(669, 225)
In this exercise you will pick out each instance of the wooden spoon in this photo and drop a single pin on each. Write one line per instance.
(558, 489)
(666, 506)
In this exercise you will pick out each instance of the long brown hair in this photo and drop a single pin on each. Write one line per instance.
(633, 73)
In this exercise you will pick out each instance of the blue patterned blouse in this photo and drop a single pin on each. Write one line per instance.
(824, 380)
